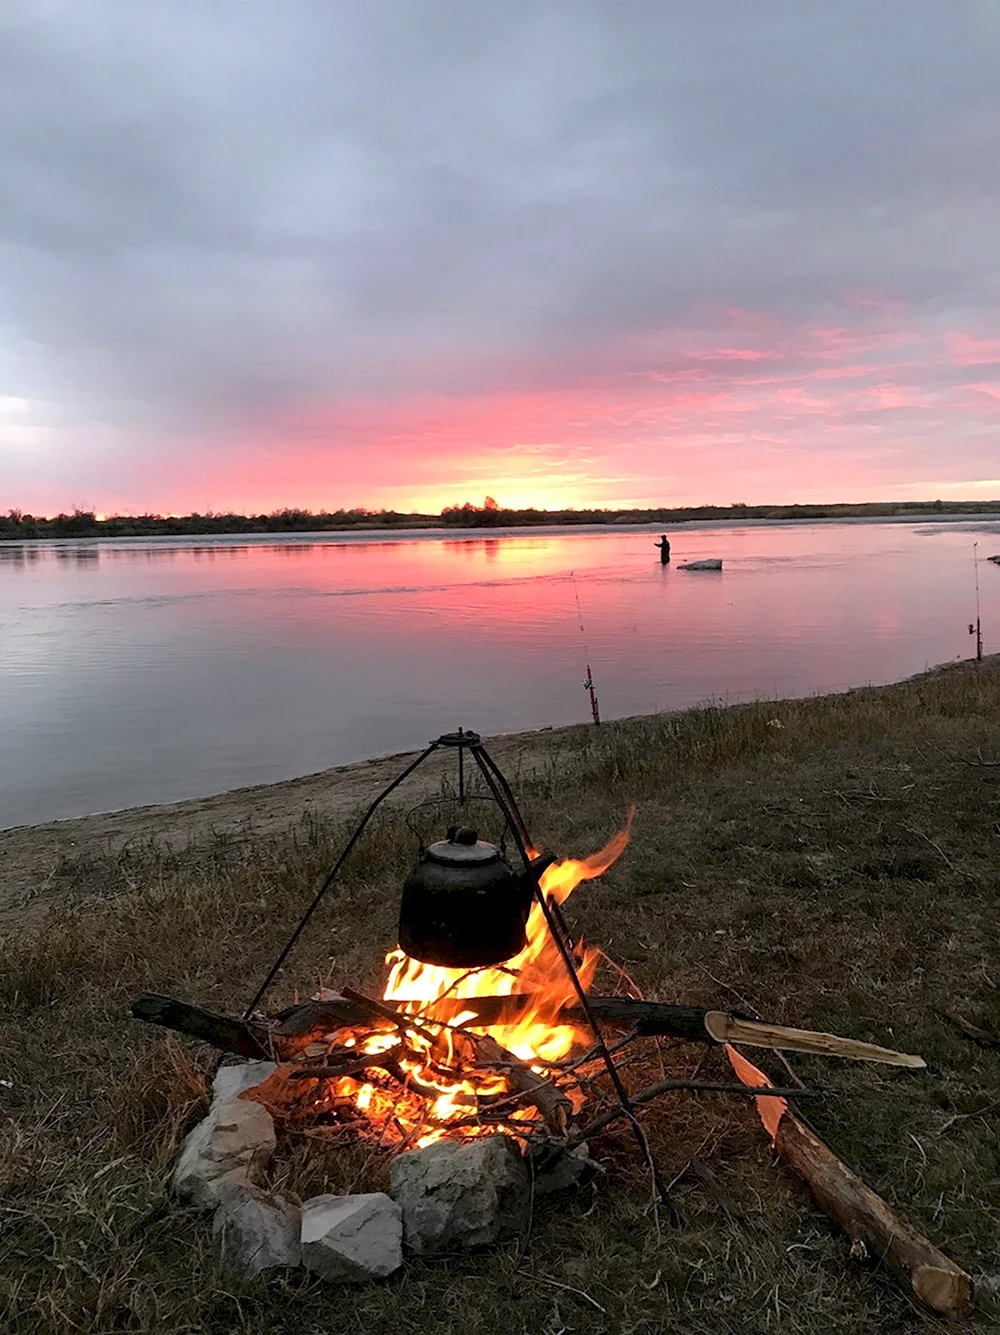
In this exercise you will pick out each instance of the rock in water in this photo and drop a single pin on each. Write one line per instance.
(348, 1239)
(232, 1081)
(713, 564)
(255, 1231)
(233, 1143)
(457, 1196)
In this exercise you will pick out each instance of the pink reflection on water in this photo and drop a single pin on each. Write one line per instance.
(150, 672)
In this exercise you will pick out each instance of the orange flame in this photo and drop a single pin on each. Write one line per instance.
(444, 1086)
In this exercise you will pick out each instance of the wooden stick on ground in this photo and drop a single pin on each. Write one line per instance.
(970, 1030)
(865, 1217)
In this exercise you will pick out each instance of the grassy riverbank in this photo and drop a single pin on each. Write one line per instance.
(830, 863)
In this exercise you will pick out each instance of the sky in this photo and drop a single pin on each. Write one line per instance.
(409, 253)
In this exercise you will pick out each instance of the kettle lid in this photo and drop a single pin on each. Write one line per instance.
(463, 848)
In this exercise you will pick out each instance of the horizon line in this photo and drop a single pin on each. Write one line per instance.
(16, 516)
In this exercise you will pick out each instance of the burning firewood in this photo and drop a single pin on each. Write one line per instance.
(550, 1101)
(294, 1029)
(540, 1093)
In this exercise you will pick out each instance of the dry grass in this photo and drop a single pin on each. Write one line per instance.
(837, 871)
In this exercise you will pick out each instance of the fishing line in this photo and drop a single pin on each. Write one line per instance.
(588, 685)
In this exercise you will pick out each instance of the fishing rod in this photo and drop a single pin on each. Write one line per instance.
(588, 685)
(979, 628)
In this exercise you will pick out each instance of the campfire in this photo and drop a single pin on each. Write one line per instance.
(487, 1039)
(433, 1069)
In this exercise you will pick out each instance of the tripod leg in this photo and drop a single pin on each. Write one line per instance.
(332, 876)
(487, 766)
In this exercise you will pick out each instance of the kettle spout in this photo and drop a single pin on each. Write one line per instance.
(539, 863)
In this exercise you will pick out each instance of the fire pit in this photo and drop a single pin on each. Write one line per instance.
(471, 926)
(486, 1052)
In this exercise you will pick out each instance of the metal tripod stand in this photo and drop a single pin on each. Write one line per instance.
(500, 791)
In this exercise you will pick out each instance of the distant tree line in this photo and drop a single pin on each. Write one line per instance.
(85, 523)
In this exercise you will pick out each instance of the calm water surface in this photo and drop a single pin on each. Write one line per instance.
(149, 671)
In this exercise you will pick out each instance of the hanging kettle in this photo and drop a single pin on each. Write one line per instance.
(463, 907)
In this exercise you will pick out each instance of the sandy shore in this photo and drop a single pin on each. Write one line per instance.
(31, 855)
(34, 858)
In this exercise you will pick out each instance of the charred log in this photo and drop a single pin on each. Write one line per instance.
(646, 1017)
(242, 1037)
(295, 1028)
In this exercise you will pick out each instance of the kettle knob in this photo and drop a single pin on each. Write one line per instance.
(462, 834)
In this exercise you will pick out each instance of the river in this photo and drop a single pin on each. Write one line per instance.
(144, 671)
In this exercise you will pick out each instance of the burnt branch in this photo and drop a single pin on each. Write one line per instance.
(293, 1029)
(551, 1102)
(245, 1038)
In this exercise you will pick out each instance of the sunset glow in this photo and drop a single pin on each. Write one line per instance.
(865, 405)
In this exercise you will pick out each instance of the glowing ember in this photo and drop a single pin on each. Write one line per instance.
(439, 1089)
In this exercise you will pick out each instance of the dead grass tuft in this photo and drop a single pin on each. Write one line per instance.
(159, 1099)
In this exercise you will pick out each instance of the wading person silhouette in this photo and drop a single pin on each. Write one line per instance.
(664, 547)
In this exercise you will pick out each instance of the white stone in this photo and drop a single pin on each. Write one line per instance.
(712, 564)
(256, 1231)
(461, 1195)
(234, 1142)
(232, 1081)
(350, 1239)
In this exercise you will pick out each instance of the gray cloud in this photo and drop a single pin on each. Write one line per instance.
(210, 211)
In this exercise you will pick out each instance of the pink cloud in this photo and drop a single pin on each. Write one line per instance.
(735, 355)
(968, 351)
(991, 391)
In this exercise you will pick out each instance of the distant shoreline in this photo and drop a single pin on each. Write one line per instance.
(468, 520)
